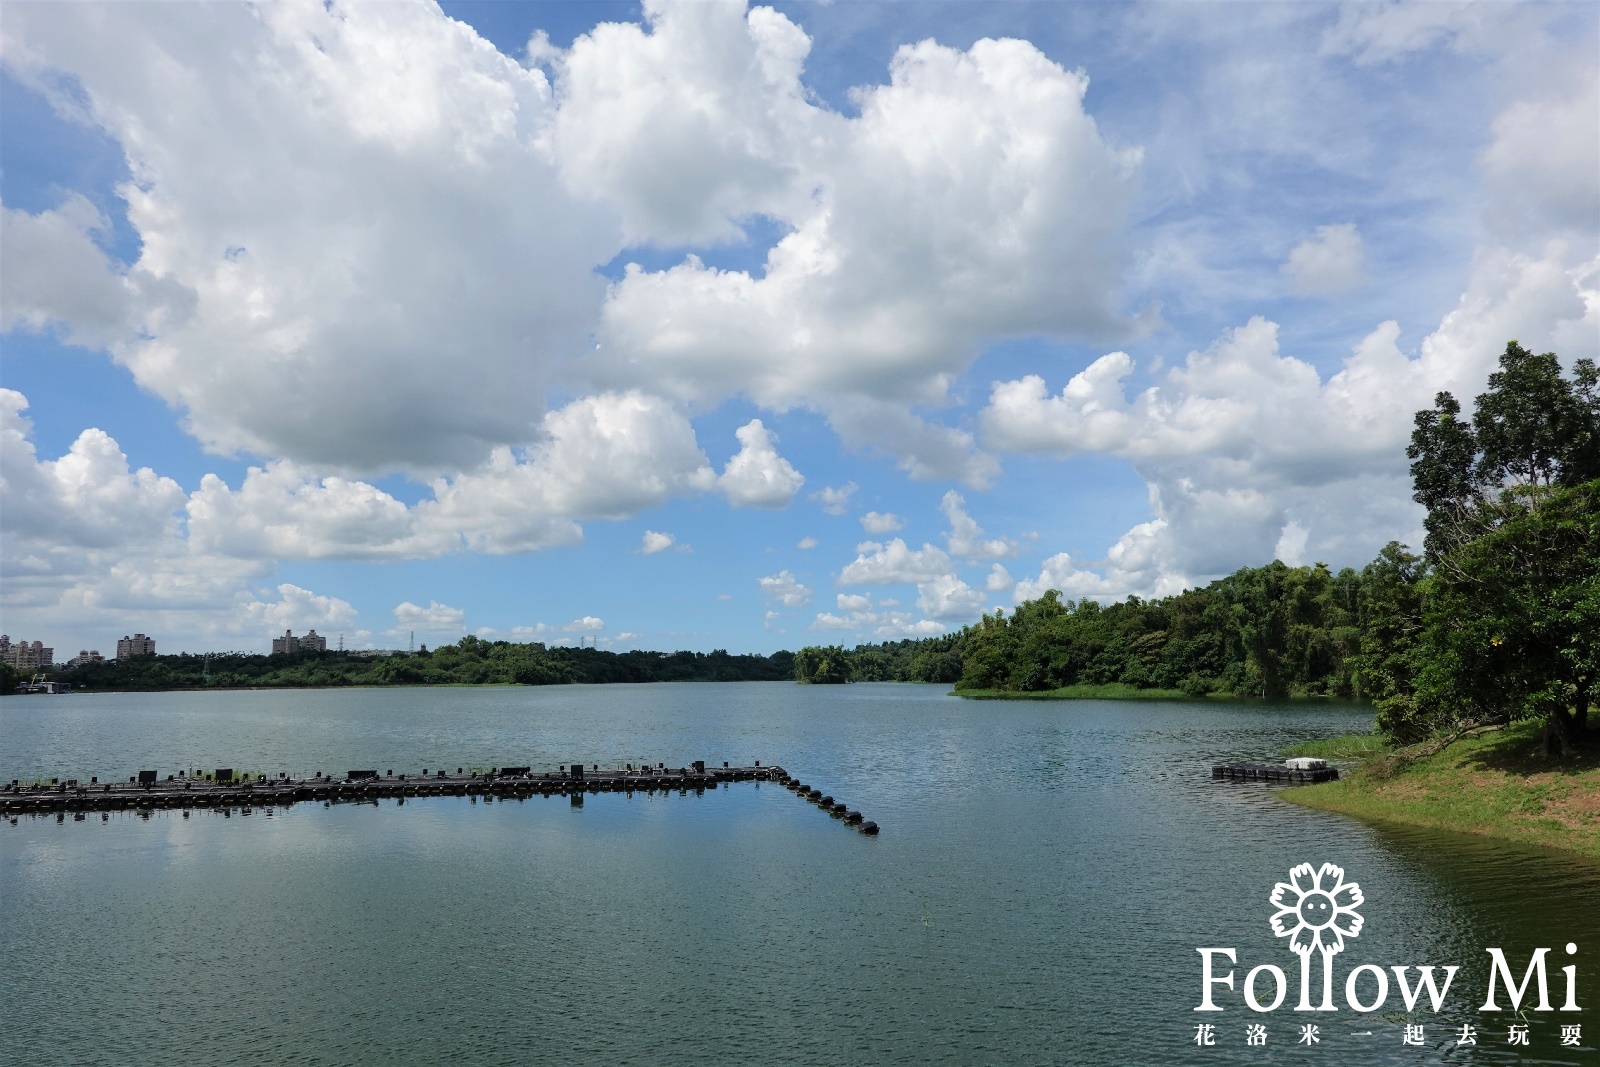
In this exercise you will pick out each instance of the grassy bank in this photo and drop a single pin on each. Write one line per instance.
(1495, 785)
(1112, 691)
(1360, 747)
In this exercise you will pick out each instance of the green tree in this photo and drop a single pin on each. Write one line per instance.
(1532, 427)
(1389, 622)
(1508, 624)
(821, 666)
(1512, 620)
(989, 653)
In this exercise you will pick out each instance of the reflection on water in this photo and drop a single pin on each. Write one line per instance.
(1045, 875)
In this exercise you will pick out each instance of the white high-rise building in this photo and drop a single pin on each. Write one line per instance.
(311, 642)
(137, 645)
(28, 657)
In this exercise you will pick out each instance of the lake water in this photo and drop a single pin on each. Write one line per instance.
(1044, 876)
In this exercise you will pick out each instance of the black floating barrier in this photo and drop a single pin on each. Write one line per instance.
(1274, 772)
(221, 790)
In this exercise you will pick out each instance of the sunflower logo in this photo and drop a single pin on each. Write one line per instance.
(1316, 910)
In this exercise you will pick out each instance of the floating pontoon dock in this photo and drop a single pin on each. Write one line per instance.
(146, 791)
(1274, 772)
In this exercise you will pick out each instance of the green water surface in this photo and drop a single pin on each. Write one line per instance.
(1044, 876)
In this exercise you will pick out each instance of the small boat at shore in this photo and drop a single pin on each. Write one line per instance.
(38, 685)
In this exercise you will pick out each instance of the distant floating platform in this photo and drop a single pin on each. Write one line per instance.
(1273, 772)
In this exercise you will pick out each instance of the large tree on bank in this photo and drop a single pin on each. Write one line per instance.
(1510, 617)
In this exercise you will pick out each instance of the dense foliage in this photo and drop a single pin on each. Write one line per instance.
(936, 659)
(1505, 624)
(1269, 631)
(1498, 621)
(470, 661)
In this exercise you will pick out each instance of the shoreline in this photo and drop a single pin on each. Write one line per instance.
(1492, 785)
(1120, 691)
(1113, 691)
(402, 685)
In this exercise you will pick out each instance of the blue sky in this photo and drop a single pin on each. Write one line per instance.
(707, 326)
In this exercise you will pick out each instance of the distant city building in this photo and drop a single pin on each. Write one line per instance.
(86, 655)
(311, 642)
(25, 656)
(137, 645)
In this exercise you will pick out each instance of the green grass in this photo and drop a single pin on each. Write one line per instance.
(1111, 691)
(1493, 784)
(1358, 747)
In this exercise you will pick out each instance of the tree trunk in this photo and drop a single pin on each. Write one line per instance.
(1565, 733)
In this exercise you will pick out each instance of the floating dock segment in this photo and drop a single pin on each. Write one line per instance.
(1273, 772)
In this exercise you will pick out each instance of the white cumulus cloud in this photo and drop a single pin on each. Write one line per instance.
(281, 512)
(834, 499)
(605, 456)
(948, 597)
(884, 625)
(1328, 262)
(877, 563)
(351, 200)
(435, 618)
(999, 579)
(785, 589)
(300, 609)
(881, 522)
(54, 273)
(87, 498)
(965, 539)
(654, 541)
(689, 124)
(971, 194)
(756, 476)
(370, 200)
(1247, 450)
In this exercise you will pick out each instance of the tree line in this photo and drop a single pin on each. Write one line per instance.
(1273, 631)
(470, 661)
(1497, 619)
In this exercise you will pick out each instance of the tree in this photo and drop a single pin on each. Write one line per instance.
(1390, 622)
(935, 665)
(989, 654)
(1509, 622)
(1532, 427)
(1513, 623)
(821, 666)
